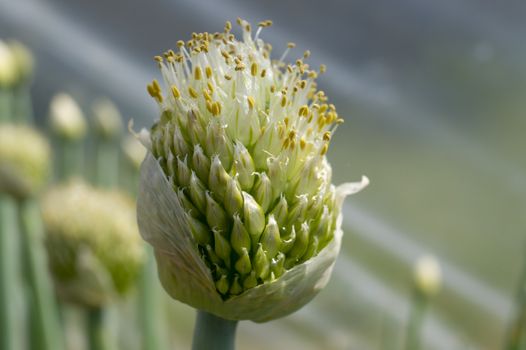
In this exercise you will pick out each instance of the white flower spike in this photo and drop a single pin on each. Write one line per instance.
(236, 195)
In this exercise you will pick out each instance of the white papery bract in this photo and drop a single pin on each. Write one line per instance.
(236, 194)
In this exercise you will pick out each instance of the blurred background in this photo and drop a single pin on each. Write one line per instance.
(433, 94)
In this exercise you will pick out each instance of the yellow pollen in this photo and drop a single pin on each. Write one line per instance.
(327, 136)
(263, 73)
(197, 73)
(206, 95)
(180, 43)
(210, 87)
(240, 67)
(291, 45)
(272, 89)
(228, 77)
(303, 111)
(192, 92)
(306, 54)
(323, 68)
(254, 69)
(216, 108)
(208, 71)
(292, 134)
(324, 149)
(175, 92)
(286, 121)
(228, 27)
(158, 59)
(283, 101)
(225, 54)
(251, 102)
(303, 143)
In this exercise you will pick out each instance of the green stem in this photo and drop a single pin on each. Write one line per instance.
(213, 333)
(517, 331)
(22, 105)
(8, 271)
(98, 333)
(414, 327)
(46, 333)
(6, 110)
(71, 160)
(151, 322)
(107, 163)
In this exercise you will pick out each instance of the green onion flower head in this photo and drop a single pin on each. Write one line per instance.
(92, 240)
(66, 117)
(24, 160)
(107, 118)
(8, 69)
(427, 276)
(236, 195)
(24, 60)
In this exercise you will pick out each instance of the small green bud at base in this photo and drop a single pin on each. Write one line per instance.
(270, 239)
(222, 248)
(239, 237)
(261, 263)
(243, 265)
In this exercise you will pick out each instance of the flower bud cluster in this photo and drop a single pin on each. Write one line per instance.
(242, 140)
(93, 244)
(24, 160)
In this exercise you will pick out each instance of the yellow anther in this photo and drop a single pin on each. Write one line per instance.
(216, 108)
(327, 136)
(291, 45)
(323, 108)
(303, 143)
(286, 143)
(228, 26)
(209, 106)
(210, 87)
(272, 89)
(175, 92)
(251, 102)
(240, 66)
(151, 90)
(263, 73)
(290, 69)
(339, 121)
(225, 54)
(156, 85)
(292, 134)
(254, 69)
(323, 68)
(283, 101)
(197, 73)
(192, 92)
(239, 21)
(180, 43)
(303, 111)
(324, 149)
(312, 74)
(228, 77)
(207, 95)
(208, 71)
(158, 59)
(266, 23)
(248, 28)
(306, 54)
(286, 121)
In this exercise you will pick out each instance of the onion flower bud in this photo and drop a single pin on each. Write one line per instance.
(92, 241)
(24, 160)
(240, 147)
